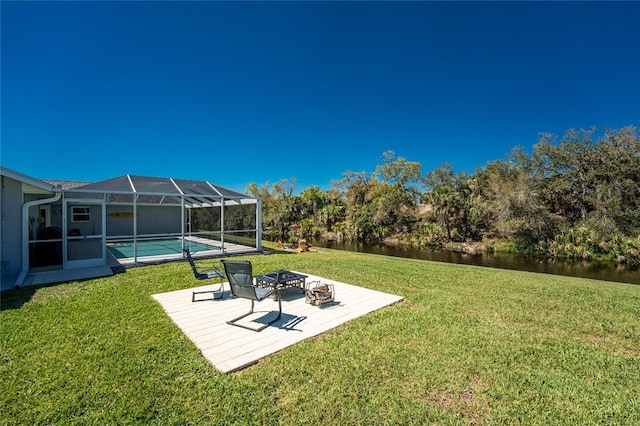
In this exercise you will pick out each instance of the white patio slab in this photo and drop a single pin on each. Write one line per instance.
(59, 276)
(231, 348)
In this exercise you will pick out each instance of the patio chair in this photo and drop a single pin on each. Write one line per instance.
(207, 274)
(240, 276)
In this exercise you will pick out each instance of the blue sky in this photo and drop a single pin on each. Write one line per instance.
(235, 92)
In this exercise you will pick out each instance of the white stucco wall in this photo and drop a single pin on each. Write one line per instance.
(151, 220)
(10, 231)
(92, 227)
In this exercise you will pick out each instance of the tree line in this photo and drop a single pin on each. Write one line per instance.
(577, 196)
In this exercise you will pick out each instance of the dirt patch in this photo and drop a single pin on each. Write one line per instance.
(466, 403)
(407, 304)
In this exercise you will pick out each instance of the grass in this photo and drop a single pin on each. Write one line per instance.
(469, 345)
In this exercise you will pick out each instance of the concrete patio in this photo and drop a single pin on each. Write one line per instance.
(231, 348)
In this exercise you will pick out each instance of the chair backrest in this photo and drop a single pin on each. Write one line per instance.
(192, 263)
(240, 276)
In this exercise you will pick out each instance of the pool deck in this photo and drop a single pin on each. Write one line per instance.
(56, 274)
(231, 349)
(229, 249)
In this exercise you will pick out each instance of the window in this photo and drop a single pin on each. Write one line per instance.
(80, 214)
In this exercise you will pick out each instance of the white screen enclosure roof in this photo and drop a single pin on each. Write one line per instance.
(164, 191)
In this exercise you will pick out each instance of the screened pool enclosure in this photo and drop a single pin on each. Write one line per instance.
(137, 219)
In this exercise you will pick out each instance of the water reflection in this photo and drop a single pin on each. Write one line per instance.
(594, 270)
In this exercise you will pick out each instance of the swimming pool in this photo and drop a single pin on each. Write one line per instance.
(156, 247)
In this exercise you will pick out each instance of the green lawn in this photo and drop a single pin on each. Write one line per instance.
(469, 345)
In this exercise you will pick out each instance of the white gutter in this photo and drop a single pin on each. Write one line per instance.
(25, 234)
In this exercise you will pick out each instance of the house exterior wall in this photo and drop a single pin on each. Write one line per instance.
(151, 220)
(10, 232)
(91, 227)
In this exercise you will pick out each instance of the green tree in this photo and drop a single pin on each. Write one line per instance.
(509, 201)
(581, 193)
(382, 203)
(280, 208)
(399, 172)
(329, 215)
(314, 200)
(587, 178)
(357, 187)
(396, 193)
(443, 195)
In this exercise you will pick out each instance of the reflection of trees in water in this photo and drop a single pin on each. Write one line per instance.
(595, 270)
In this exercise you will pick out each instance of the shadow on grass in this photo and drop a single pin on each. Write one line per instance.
(15, 298)
(273, 250)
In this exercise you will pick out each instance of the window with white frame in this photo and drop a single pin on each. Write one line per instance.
(80, 214)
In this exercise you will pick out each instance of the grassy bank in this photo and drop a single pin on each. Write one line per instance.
(469, 345)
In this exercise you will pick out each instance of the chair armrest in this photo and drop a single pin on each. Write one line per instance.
(217, 271)
(212, 270)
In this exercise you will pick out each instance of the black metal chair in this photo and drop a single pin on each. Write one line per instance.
(240, 276)
(207, 274)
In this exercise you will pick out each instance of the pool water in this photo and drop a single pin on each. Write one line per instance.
(156, 247)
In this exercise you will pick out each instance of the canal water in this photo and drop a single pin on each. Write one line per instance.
(596, 270)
